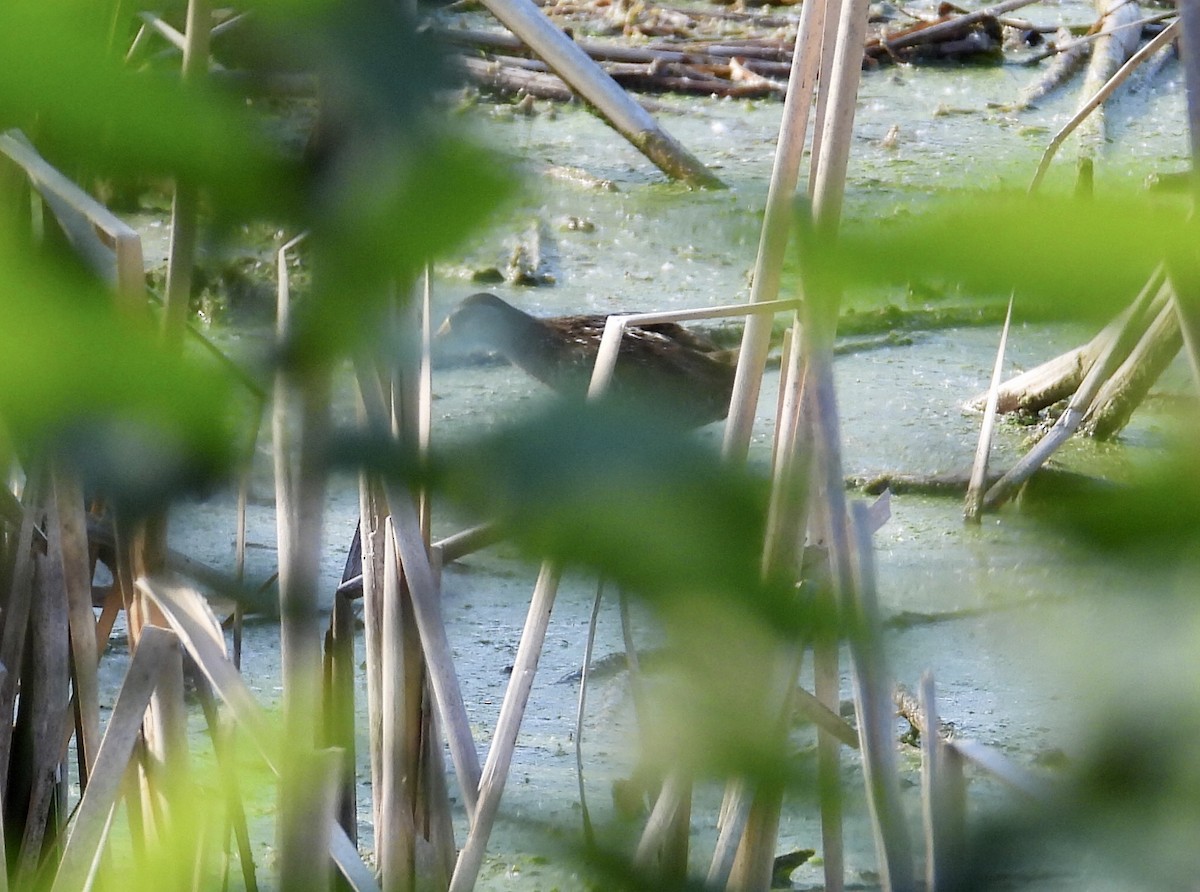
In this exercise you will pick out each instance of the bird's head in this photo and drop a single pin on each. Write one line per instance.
(482, 320)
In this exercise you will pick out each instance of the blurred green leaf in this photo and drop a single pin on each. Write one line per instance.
(86, 112)
(635, 497)
(80, 376)
(1130, 806)
(617, 490)
(1065, 257)
(391, 185)
(1155, 517)
(394, 213)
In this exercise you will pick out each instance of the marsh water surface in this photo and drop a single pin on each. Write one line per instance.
(1030, 639)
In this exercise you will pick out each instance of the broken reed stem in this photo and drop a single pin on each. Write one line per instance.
(975, 488)
(193, 622)
(1053, 380)
(81, 855)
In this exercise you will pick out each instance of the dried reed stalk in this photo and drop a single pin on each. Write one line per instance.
(773, 240)
(414, 559)
(192, 620)
(943, 797)
(872, 694)
(42, 717)
(372, 539)
(1187, 283)
(117, 256)
(185, 205)
(16, 618)
(1115, 401)
(71, 528)
(1187, 306)
(589, 835)
(396, 796)
(338, 702)
(300, 427)
(81, 855)
(530, 24)
(842, 60)
(975, 487)
(508, 725)
(221, 733)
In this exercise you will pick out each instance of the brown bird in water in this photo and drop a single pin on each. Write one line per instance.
(676, 371)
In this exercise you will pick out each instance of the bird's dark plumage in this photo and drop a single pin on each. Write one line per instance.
(679, 372)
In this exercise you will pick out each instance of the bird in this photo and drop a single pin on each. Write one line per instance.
(677, 372)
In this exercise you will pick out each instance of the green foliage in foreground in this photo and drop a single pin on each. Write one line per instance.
(1063, 257)
(389, 188)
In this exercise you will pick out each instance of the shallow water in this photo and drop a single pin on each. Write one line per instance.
(1008, 675)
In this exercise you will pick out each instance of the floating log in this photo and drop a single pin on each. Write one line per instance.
(626, 116)
(1118, 35)
(508, 74)
(509, 79)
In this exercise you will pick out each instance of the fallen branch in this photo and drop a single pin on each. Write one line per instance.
(953, 484)
(1168, 34)
(1113, 406)
(1058, 378)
